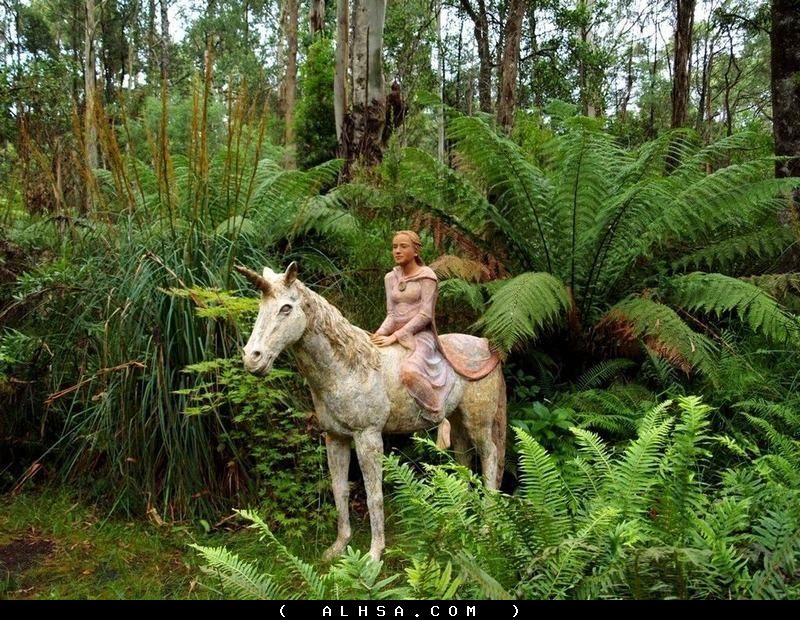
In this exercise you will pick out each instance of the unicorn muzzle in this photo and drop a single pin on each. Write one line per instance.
(256, 361)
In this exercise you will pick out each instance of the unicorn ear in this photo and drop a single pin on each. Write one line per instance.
(291, 274)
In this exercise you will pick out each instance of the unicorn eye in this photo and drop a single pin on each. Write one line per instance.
(286, 309)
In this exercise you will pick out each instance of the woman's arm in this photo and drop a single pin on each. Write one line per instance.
(387, 327)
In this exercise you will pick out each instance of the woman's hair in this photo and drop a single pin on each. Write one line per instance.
(414, 237)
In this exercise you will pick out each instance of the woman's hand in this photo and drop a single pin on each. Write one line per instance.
(382, 341)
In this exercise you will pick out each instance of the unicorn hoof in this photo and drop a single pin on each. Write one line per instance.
(375, 554)
(334, 551)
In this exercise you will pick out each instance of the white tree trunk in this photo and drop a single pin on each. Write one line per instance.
(340, 98)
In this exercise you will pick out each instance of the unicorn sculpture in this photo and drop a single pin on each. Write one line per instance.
(358, 395)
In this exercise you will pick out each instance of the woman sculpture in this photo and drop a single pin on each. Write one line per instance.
(411, 289)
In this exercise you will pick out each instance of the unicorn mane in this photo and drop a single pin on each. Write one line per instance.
(348, 341)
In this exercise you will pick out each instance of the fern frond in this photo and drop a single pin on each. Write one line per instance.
(662, 331)
(717, 293)
(522, 306)
(602, 372)
(635, 473)
(304, 570)
(776, 536)
(487, 584)
(682, 495)
(765, 243)
(240, 579)
(542, 486)
(457, 292)
(522, 194)
(449, 266)
(592, 446)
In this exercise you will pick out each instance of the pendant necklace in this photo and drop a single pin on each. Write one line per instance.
(402, 286)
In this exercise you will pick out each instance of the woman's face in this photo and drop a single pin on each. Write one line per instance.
(403, 250)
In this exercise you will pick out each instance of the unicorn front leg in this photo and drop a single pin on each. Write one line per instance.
(369, 448)
(338, 449)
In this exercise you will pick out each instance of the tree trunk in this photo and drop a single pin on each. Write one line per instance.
(340, 98)
(480, 22)
(152, 42)
(363, 131)
(786, 91)
(622, 111)
(588, 97)
(316, 18)
(91, 157)
(705, 87)
(680, 74)
(290, 79)
(164, 43)
(650, 132)
(510, 63)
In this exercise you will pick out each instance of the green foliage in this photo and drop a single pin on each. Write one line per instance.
(284, 460)
(354, 576)
(609, 227)
(523, 306)
(644, 520)
(314, 126)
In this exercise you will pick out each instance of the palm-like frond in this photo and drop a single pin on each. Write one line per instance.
(716, 293)
(662, 331)
(445, 192)
(734, 249)
(521, 307)
(522, 195)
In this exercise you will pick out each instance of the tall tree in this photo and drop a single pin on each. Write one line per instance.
(588, 100)
(680, 74)
(362, 131)
(290, 10)
(316, 18)
(786, 89)
(480, 21)
(340, 90)
(510, 62)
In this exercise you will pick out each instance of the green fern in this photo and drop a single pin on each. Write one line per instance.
(663, 332)
(602, 372)
(716, 293)
(522, 307)
(240, 579)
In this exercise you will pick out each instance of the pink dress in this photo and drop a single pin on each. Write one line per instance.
(410, 304)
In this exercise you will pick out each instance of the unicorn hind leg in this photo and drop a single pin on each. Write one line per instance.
(481, 413)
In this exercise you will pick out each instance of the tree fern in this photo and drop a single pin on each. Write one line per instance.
(663, 332)
(716, 293)
(523, 306)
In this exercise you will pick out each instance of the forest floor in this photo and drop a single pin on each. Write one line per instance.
(54, 547)
(55, 544)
